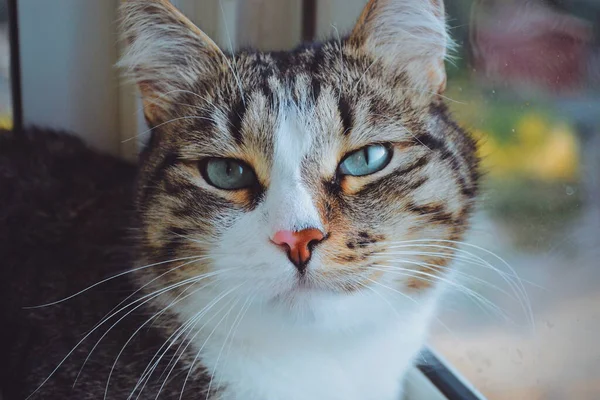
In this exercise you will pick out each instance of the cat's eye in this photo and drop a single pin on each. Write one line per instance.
(366, 161)
(227, 173)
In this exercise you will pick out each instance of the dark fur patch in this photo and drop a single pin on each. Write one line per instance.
(346, 115)
(236, 117)
(433, 212)
(420, 163)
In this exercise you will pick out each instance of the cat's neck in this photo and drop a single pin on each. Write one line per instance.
(260, 358)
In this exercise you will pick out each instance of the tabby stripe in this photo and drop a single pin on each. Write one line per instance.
(420, 163)
(158, 175)
(434, 212)
(414, 185)
(236, 116)
(315, 86)
(437, 145)
(345, 115)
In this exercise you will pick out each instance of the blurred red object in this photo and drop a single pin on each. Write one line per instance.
(530, 45)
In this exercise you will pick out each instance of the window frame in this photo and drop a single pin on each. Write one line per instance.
(15, 65)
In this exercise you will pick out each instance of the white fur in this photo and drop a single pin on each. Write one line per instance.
(298, 364)
(288, 203)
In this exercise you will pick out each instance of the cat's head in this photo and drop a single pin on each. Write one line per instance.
(328, 174)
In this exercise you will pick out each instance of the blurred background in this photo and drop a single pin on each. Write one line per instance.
(525, 80)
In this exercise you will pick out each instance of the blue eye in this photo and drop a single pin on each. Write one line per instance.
(366, 161)
(227, 173)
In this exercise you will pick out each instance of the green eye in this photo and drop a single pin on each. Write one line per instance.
(366, 161)
(227, 173)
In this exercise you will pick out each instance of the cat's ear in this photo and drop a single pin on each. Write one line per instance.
(165, 53)
(410, 36)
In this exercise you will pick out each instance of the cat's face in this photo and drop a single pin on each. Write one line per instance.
(325, 172)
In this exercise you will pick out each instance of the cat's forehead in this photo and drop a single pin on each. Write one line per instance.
(308, 69)
(331, 94)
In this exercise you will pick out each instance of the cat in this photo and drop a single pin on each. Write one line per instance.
(287, 236)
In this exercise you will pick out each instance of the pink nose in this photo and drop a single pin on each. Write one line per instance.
(298, 244)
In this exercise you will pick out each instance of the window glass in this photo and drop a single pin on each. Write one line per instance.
(525, 81)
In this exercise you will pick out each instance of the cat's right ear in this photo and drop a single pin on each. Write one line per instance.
(410, 37)
(165, 53)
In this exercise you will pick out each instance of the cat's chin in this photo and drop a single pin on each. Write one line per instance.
(307, 287)
(324, 309)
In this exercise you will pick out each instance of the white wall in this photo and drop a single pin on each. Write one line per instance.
(341, 14)
(269, 24)
(68, 49)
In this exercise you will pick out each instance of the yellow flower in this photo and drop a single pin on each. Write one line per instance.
(532, 129)
(539, 150)
(558, 157)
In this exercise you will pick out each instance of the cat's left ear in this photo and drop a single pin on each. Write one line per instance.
(409, 36)
(165, 54)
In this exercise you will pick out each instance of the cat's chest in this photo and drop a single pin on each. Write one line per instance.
(368, 369)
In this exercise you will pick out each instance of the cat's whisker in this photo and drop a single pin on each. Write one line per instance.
(508, 278)
(435, 267)
(205, 342)
(224, 318)
(107, 280)
(153, 317)
(403, 295)
(237, 326)
(341, 74)
(169, 342)
(363, 75)
(233, 68)
(404, 128)
(393, 290)
(195, 107)
(510, 268)
(163, 95)
(165, 123)
(147, 298)
(434, 278)
(171, 339)
(517, 287)
(466, 256)
(188, 342)
(160, 353)
(380, 296)
(171, 270)
(192, 322)
(394, 308)
(233, 325)
(183, 295)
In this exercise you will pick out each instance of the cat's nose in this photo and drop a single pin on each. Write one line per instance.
(298, 245)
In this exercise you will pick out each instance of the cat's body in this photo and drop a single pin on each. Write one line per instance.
(65, 222)
(289, 234)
